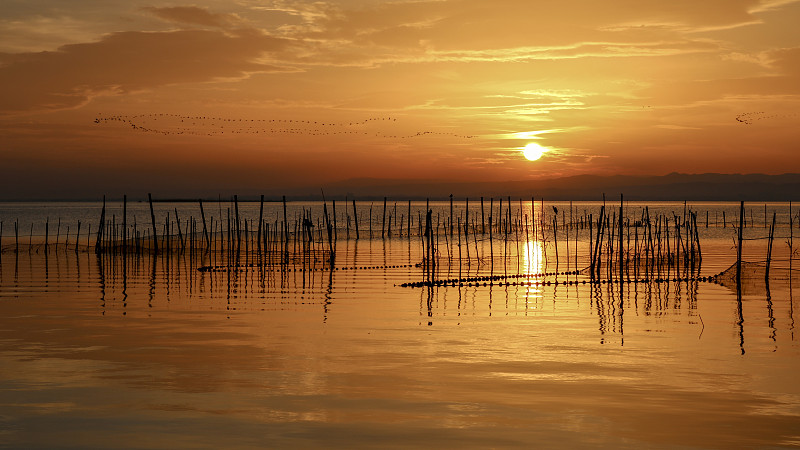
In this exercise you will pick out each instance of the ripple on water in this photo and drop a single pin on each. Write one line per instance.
(264, 356)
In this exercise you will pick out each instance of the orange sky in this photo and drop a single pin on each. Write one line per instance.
(110, 95)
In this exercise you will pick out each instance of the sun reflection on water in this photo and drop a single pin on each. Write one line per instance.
(534, 259)
(534, 264)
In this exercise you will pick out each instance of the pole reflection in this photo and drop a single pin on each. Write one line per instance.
(367, 275)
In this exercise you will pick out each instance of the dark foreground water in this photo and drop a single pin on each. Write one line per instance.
(144, 352)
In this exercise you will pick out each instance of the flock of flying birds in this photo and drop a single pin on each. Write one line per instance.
(750, 117)
(176, 124)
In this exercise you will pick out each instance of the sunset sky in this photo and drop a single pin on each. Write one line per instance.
(209, 95)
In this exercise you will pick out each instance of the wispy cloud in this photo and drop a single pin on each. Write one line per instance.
(193, 15)
(127, 62)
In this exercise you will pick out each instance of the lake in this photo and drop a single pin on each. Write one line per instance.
(272, 345)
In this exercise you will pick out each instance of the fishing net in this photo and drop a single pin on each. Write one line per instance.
(754, 277)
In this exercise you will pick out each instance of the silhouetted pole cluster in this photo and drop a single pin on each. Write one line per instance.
(622, 246)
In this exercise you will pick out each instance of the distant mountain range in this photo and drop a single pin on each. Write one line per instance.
(675, 186)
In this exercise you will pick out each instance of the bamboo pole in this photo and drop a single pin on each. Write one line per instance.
(591, 248)
(459, 246)
(555, 237)
(451, 216)
(285, 233)
(466, 237)
(206, 234)
(769, 249)
(409, 220)
(791, 237)
(739, 248)
(466, 214)
(355, 217)
(508, 215)
(100, 228)
(483, 219)
(491, 243)
(260, 238)
(619, 241)
(697, 240)
(383, 224)
(237, 223)
(153, 220)
(500, 217)
(180, 234)
(165, 242)
(599, 240)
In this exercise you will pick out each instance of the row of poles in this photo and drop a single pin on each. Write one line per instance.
(618, 243)
(646, 246)
(770, 240)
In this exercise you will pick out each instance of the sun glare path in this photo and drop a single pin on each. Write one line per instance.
(534, 257)
(534, 263)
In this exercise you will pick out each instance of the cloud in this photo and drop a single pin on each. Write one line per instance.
(593, 49)
(39, 33)
(193, 15)
(783, 82)
(476, 24)
(787, 60)
(511, 31)
(129, 61)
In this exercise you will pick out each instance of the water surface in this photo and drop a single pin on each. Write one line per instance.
(148, 352)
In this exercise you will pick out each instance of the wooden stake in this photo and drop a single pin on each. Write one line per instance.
(619, 241)
(383, 224)
(180, 234)
(100, 229)
(355, 217)
(409, 220)
(739, 249)
(260, 239)
(483, 219)
(769, 248)
(451, 216)
(333, 203)
(237, 223)
(205, 230)
(153, 220)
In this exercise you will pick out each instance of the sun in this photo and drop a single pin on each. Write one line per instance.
(533, 151)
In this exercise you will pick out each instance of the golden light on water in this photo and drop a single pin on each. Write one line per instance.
(534, 257)
(534, 151)
(534, 263)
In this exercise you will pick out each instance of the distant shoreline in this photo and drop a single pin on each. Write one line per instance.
(671, 187)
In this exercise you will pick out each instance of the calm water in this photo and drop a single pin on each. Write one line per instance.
(151, 353)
